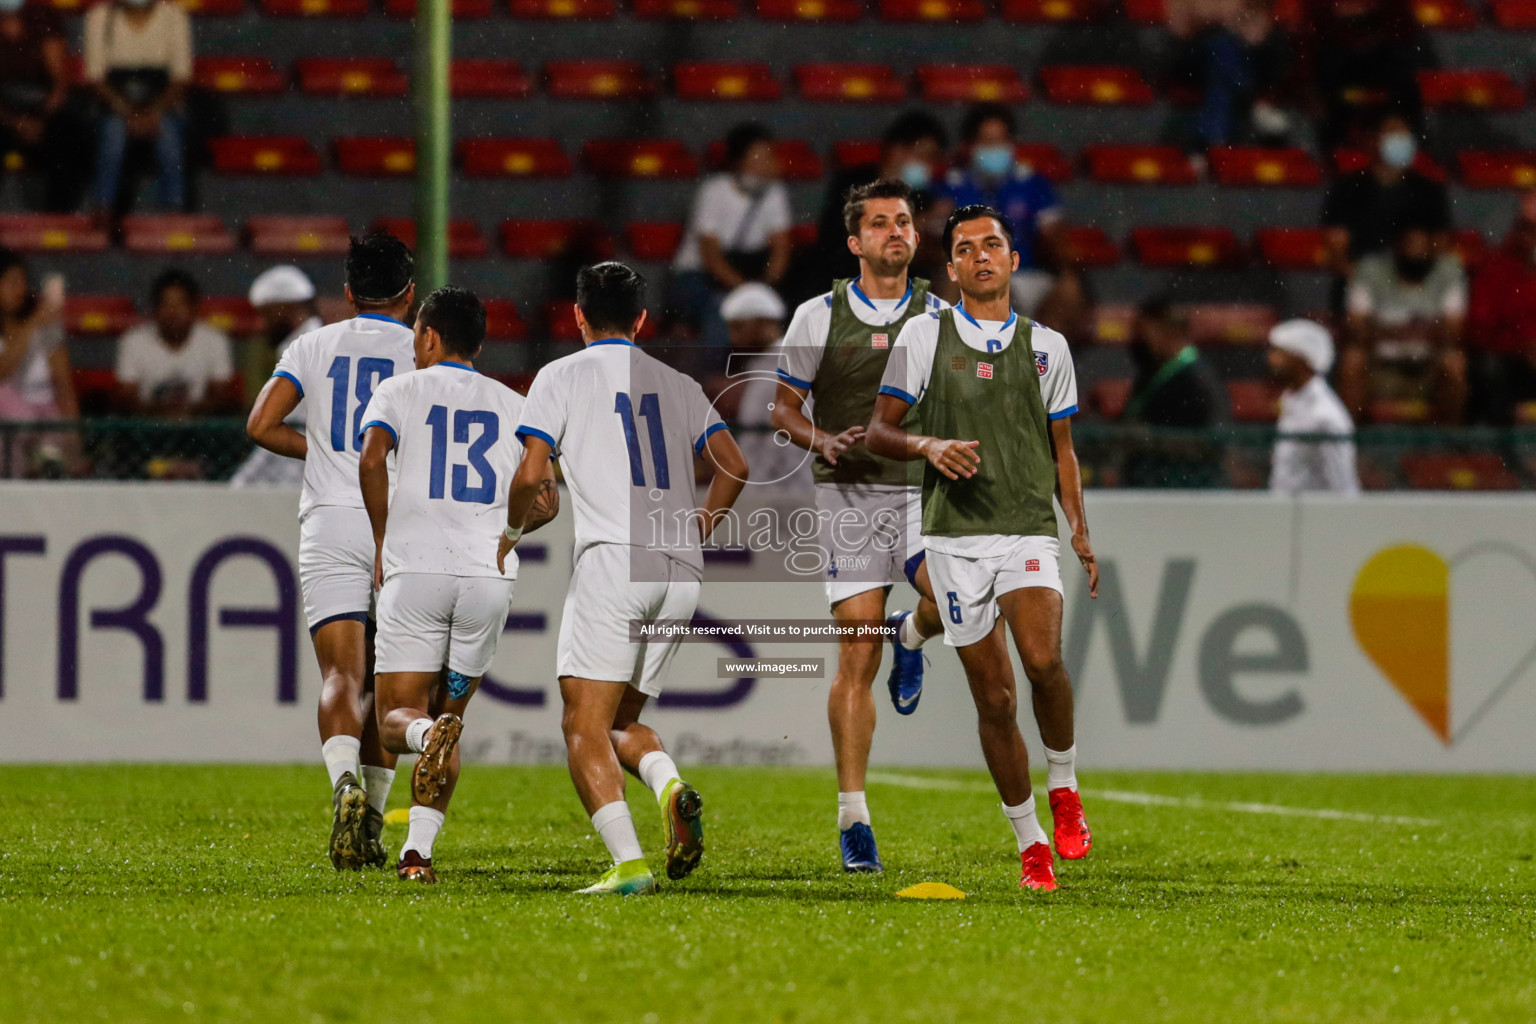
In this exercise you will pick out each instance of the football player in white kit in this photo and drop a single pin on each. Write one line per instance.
(442, 600)
(626, 428)
(334, 371)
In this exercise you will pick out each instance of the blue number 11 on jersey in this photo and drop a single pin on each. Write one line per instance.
(650, 410)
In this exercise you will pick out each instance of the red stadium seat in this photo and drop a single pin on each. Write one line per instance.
(463, 10)
(1447, 471)
(598, 80)
(855, 153)
(1102, 85)
(1348, 161)
(1293, 248)
(99, 314)
(1479, 89)
(231, 314)
(1092, 247)
(1109, 398)
(947, 11)
(560, 322)
(315, 8)
(563, 10)
(214, 8)
(1242, 166)
(488, 78)
(1146, 12)
(685, 10)
(376, 157)
(465, 242)
(971, 83)
(1444, 14)
(1254, 401)
(298, 236)
(849, 83)
(1113, 324)
(243, 76)
(165, 233)
(725, 80)
(653, 241)
(1231, 323)
(1186, 247)
(1498, 168)
(1470, 245)
(1399, 411)
(810, 10)
(281, 155)
(639, 159)
(1139, 165)
(1515, 15)
(514, 158)
(797, 160)
(1050, 12)
(803, 236)
(1045, 159)
(546, 239)
(351, 76)
(503, 322)
(51, 232)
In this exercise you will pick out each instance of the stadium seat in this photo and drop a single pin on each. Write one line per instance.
(653, 241)
(971, 83)
(99, 314)
(685, 10)
(810, 10)
(1139, 165)
(350, 76)
(51, 232)
(946, 11)
(1091, 247)
(563, 10)
(1045, 159)
(803, 236)
(240, 76)
(214, 8)
(546, 239)
(1050, 12)
(503, 322)
(1470, 245)
(1101, 85)
(1348, 161)
(639, 159)
(298, 236)
(465, 242)
(1525, 414)
(514, 158)
(164, 233)
(1498, 168)
(1449, 471)
(1444, 14)
(315, 8)
(1186, 247)
(284, 155)
(560, 322)
(1230, 323)
(1109, 398)
(463, 10)
(849, 83)
(1480, 89)
(1515, 15)
(1112, 323)
(376, 157)
(488, 78)
(797, 160)
(1254, 401)
(232, 314)
(725, 80)
(598, 80)
(1293, 248)
(855, 153)
(1243, 166)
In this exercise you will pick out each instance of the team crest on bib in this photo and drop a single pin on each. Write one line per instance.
(1042, 360)
(882, 341)
(957, 363)
(984, 371)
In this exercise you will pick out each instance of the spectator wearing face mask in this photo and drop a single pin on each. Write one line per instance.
(1406, 312)
(284, 299)
(1501, 324)
(1311, 415)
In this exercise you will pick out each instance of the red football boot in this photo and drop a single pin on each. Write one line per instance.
(1039, 871)
(1073, 840)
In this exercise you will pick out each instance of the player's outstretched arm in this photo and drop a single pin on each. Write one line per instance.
(373, 478)
(527, 483)
(1069, 491)
(789, 416)
(722, 452)
(955, 459)
(265, 424)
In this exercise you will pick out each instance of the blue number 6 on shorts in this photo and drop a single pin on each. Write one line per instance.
(954, 607)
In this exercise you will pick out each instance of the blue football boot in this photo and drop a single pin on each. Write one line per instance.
(906, 679)
(859, 852)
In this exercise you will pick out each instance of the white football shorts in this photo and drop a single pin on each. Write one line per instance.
(967, 589)
(872, 535)
(427, 621)
(336, 565)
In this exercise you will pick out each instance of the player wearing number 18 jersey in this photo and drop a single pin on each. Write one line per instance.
(335, 370)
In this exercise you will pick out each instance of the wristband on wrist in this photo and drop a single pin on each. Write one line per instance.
(512, 533)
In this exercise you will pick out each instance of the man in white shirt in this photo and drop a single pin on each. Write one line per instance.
(284, 298)
(334, 371)
(442, 600)
(626, 428)
(754, 315)
(175, 366)
(1300, 355)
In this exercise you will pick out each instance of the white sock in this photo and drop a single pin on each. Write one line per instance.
(657, 771)
(617, 827)
(907, 633)
(377, 781)
(1062, 770)
(851, 807)
(1026, 827)
(416, 734)
(340, 753)
(426, 822)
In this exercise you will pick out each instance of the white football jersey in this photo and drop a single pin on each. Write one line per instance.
(626, 428)
(336, 370)
(455, 453)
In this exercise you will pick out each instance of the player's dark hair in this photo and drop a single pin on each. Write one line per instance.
(980, 114)
(740, 140)
(611, 296)
(458, 317)
(976, 211)
(885, 188)
(913, 127)
(380, 268)
(174, 277)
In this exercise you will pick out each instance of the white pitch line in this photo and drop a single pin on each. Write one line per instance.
(1124, 796)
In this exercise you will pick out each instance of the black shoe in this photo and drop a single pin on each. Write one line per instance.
(375, 856)
(349, 805)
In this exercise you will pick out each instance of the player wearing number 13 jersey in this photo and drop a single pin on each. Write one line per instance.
(335, 370)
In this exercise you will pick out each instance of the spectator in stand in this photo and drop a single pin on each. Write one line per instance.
(138, 59)
(1174, 387)
(35, 114)
(1300, 356)
(1234, 56)
(176, 367)
(36, 381)
(1361, 58)
(1501, 325)
(738, 232)
(755, 316)
(284, 298)
(1364, 211)
(1406, 311)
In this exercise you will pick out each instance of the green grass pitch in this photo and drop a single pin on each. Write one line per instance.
(203, 893)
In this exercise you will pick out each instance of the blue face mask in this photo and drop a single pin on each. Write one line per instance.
(992, 161)
(1398, 149)
(917, 174)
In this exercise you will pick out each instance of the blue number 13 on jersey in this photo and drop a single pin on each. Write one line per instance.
(650, 411)
(484, 492)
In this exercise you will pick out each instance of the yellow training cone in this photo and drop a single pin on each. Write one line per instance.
(931, 891)
(398, 816)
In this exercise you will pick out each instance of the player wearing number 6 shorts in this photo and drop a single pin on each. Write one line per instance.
(334, 370)
(996, 395)
(626, 428)
(442, 600)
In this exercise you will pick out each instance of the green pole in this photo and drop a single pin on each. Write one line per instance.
(434, 44)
